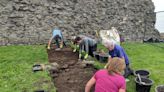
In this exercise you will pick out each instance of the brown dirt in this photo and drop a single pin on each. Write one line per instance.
(72, 75)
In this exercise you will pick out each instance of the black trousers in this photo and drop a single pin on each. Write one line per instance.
(127, 71)
(92, 49)
(58, 40)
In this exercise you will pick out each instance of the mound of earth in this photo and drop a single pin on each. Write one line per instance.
(71, 75)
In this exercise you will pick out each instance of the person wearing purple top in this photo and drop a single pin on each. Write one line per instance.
(117, 51)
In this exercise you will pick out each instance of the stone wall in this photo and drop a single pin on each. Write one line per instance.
(32, 21)
(162, 36)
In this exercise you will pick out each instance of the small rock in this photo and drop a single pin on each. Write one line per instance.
(54, 75)
(65, 66)
(66, 70)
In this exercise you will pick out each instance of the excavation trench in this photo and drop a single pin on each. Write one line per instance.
(71, 75)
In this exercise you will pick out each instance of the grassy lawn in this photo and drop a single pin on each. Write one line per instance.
(16, 73)
(144, 56)
(16, 66)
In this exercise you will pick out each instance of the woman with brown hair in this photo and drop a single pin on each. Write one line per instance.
(109, 79)
(86, 44)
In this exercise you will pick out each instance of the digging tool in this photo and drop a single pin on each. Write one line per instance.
(139, 77)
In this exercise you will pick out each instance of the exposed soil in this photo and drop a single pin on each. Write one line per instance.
(72, 74)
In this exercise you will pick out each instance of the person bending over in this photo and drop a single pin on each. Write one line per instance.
(58, 37)
(87, 45)
(117, 51)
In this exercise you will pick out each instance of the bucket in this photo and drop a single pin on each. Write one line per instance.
(142, 73)
(145, 86)
(96, 55)
(103, 58)
(39, 91)
(159, 88)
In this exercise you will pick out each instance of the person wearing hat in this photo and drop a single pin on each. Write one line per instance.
(58, 37)
(87, 45)
(116, 50)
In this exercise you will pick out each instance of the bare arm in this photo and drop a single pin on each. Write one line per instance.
(89, 85)
(122, 90)
(109, 58)
(49, 43)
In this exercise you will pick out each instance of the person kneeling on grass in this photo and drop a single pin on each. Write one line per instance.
(109, 79)
(117, 51)
(87, 45)
(58, 37)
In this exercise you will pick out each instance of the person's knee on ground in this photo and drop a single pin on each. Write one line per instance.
(127, 71)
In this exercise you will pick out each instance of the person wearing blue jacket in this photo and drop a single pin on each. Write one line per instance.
(116, 50)
(58, 37)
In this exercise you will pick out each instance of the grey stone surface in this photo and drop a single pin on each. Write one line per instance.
(32, 21)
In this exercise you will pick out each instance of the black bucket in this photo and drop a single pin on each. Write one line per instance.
(145, 86)
(39, 91)
(103, 58)
(142, 73)
(159, 88)
(96, 55)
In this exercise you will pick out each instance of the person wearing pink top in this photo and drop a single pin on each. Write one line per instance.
(109, 79)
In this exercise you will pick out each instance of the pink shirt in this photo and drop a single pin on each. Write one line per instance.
(108, 83)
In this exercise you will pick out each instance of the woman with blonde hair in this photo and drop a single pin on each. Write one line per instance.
(109, 79)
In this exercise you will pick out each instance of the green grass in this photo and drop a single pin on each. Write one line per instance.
(16, 69)
(148, 56)
(16, 66)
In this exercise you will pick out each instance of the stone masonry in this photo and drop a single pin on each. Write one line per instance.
(32, 21)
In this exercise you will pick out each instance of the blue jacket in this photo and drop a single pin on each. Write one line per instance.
(118, 51)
